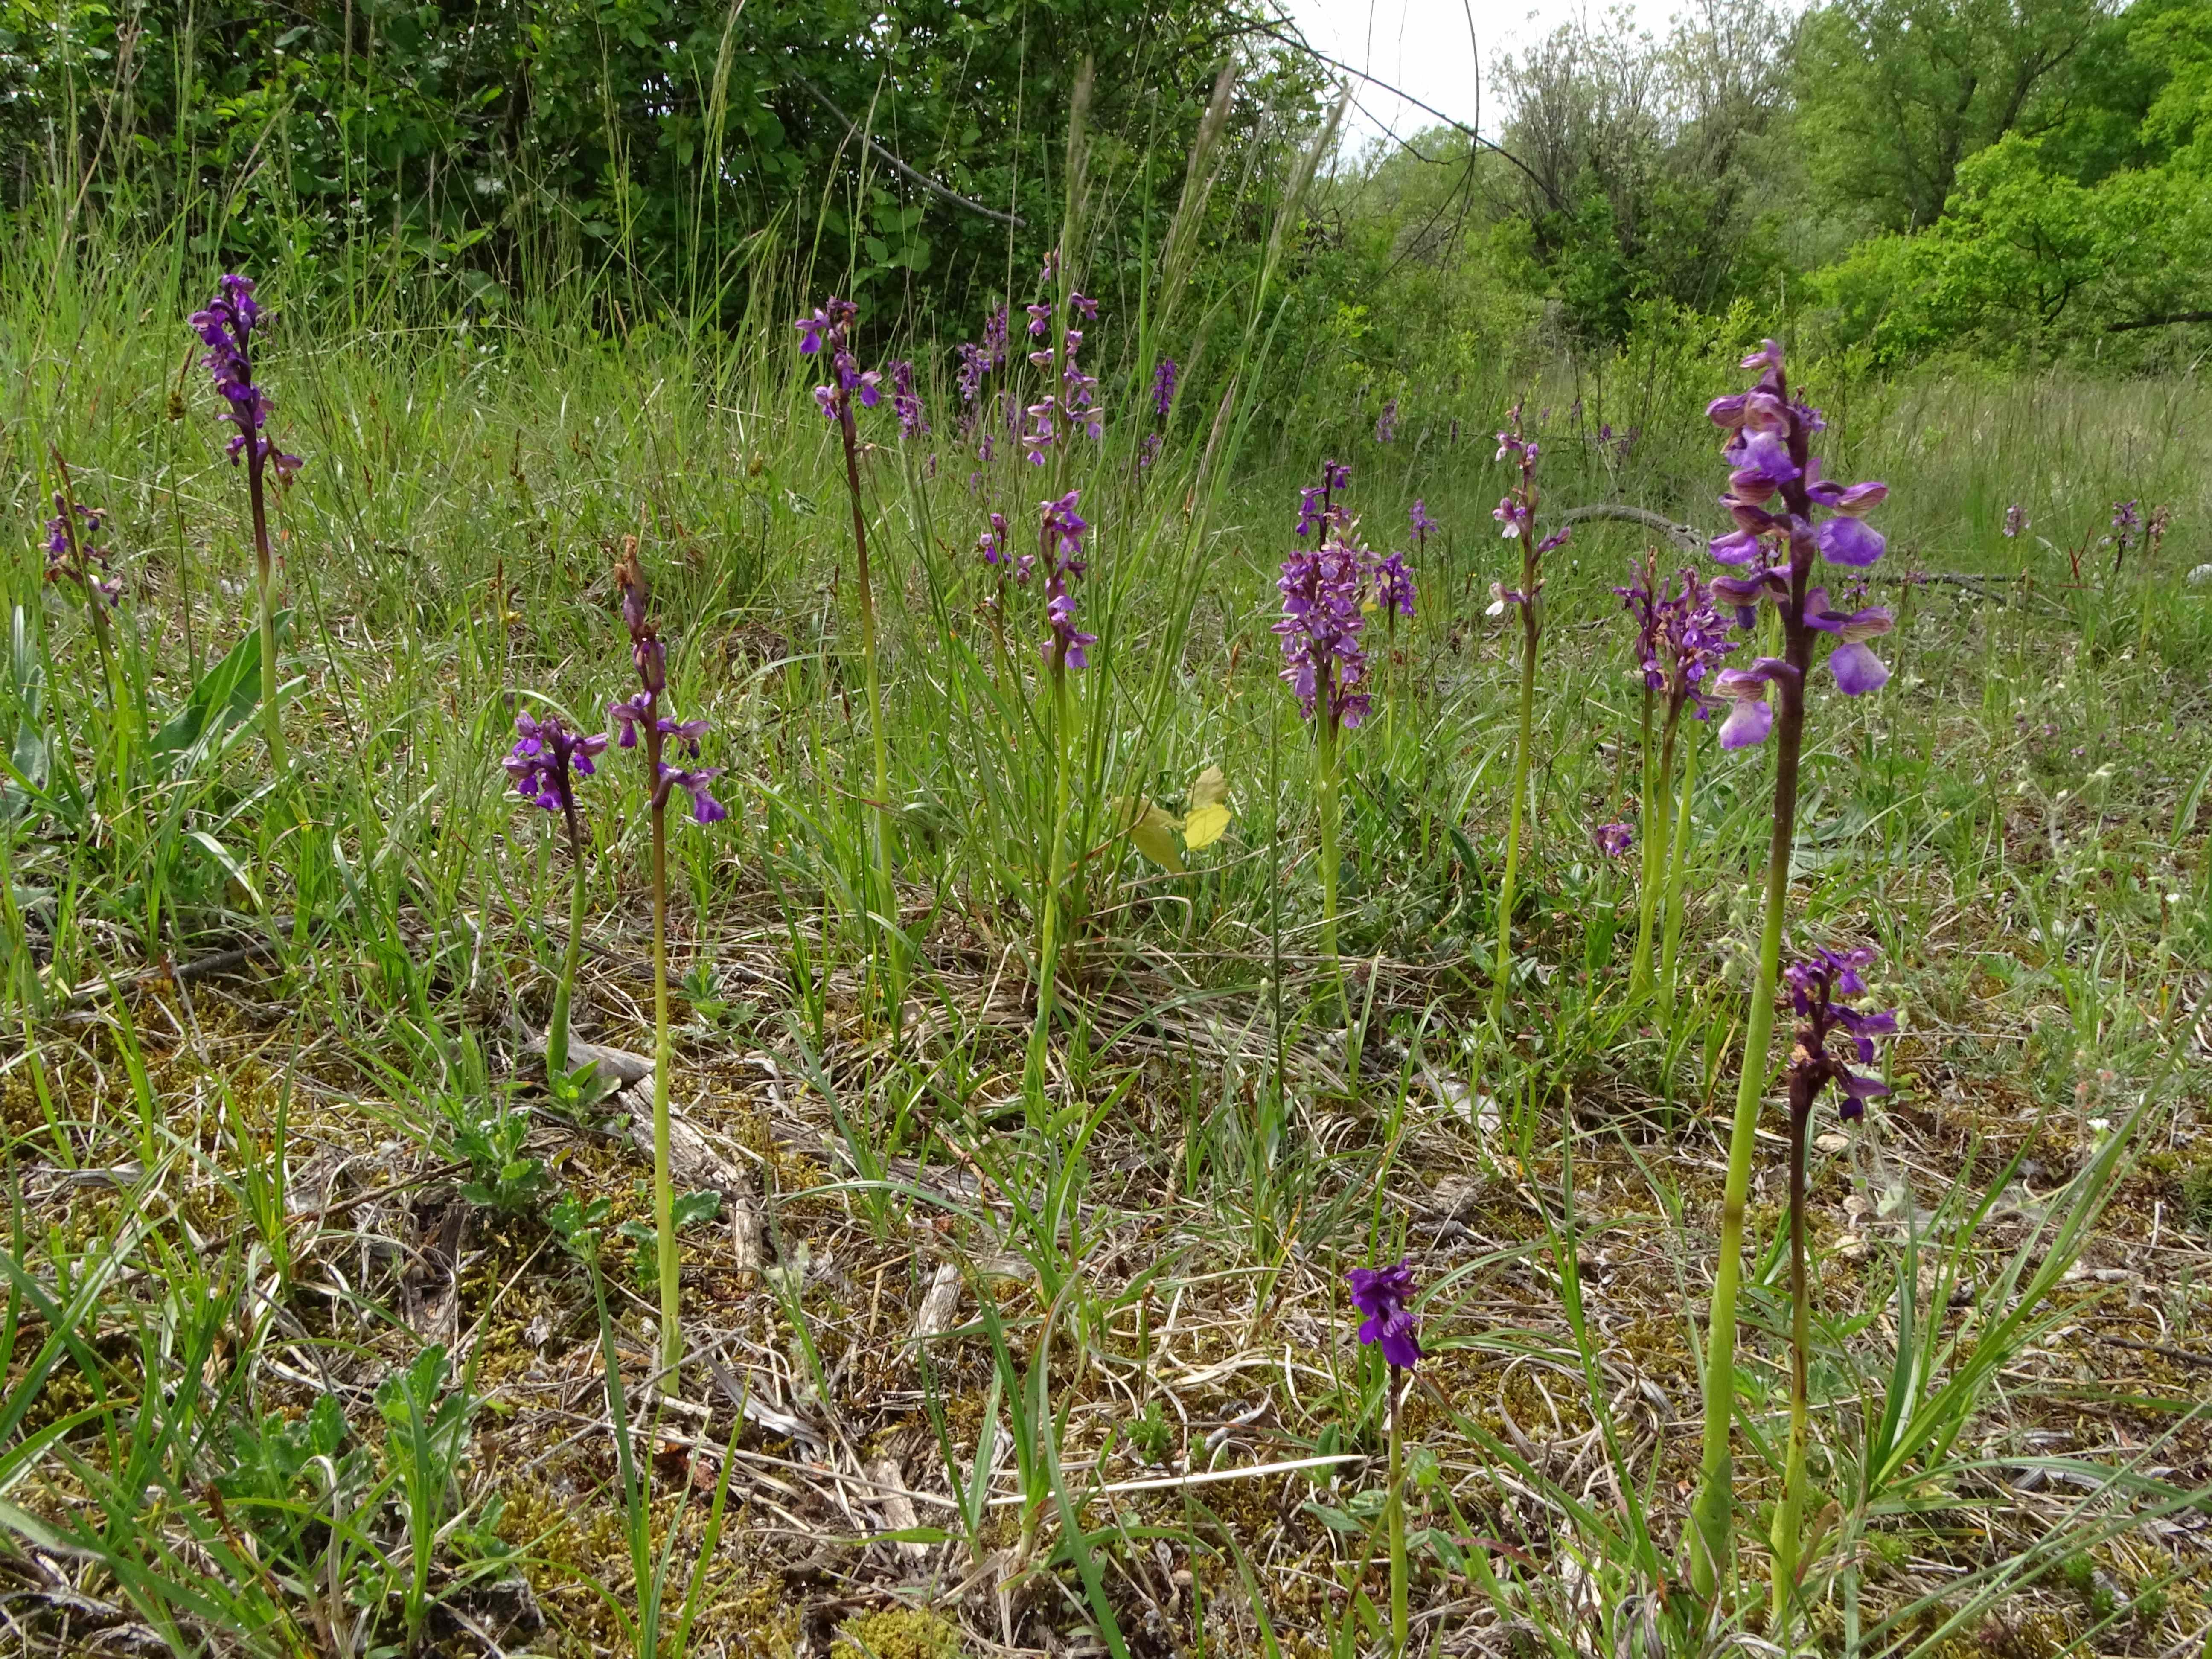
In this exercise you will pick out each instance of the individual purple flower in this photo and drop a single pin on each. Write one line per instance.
(1386, 423)
(1814, 985)
(2015, 520)
(1084, 307)
(1753, 717)
(226, 328)
(1163, 386)
(705, 809)
(72, 554)
(904, 402)
(1040, 320)
(547, 758)
(1319, 629)
(1382, 1295)
(1614, 840)
(1857, 669)
(1393, 586)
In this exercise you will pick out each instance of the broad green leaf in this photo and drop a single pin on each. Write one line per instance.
(1153, 832)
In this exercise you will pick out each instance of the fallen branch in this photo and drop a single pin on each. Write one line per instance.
(922, 178)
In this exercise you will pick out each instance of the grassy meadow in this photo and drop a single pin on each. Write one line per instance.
(993, 1346)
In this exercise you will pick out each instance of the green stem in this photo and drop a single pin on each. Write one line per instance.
(1671, 945)
(1790, 1514)
(1711, 1534)
(1048, 940)
(272, 717)
(1657, 833)
(556, 1029)
(1522, 742)
(663, 1055)
(887, 898)
(1397, 1513)
(1325, 747)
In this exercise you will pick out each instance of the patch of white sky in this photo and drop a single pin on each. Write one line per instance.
(1442, 53)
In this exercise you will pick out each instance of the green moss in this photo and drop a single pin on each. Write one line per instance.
(904, 1633)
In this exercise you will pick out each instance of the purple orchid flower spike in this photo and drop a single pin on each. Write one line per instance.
(1615, 840)
(1319, 629)
(2015, 520)
(1386, 423)
(72, 554)
(1060, 538)
(1814, 985)
(906, 404)
(1381, 1294)
(547, 759)
(1421, 524)
(1393, 586)
(1163, 386)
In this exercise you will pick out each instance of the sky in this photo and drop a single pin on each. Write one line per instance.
(1423, 48)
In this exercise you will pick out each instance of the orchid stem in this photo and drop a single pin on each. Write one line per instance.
(1523, 742)
(1710, 1534)
(664, 1057)
(887, 892)
(1325, 756)
(1397, 1520)
(556, 1028)
(1790, 1514)
(1048, 940)
(1671, 944)
(1656, 836)
(272, 717)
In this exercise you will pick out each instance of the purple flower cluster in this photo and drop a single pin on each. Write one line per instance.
(71, 555)
(1163, 386)
(1393, 585)
(905, 403)
(226, 327)
(1421, 524)
(1680, 635)
(547, 758)
(1775, 494)
(641, 711)
(978, 360)
(2127, 520)
(1320, 629)
(1614, 840)
(829, 330)
(1381, 1294)
(2015, 520)
(1813, 986)
(1060, 536)
(1386, 423)
(1515, 511)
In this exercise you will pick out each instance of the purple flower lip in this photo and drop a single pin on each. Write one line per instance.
(1753, 717)
(1381, 1294)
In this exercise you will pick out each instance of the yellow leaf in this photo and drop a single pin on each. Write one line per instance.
(1209, 809)
(1153, 833)
(1204, 826)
